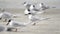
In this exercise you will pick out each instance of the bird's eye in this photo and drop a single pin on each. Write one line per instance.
(9, 21)
(28, 9)
(33, 5)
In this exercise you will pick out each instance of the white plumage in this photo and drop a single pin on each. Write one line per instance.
(35, 18)
(34, 10)
(38, 7)
(26, 11)
(16, 24)
(43, 6)
(27, 5)
(6, 16)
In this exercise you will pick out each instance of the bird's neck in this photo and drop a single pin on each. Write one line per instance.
(29, 16)
(40, 5)
(8, 23)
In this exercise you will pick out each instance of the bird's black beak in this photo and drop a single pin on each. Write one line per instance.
(8, 22)
(29, 13)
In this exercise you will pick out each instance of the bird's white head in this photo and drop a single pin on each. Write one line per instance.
(24, 3)
(41, 4)
(32, 7)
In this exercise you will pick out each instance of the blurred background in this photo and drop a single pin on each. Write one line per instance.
(17, 3)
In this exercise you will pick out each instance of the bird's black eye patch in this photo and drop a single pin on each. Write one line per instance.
(33, 5)
(9, 20)
(28, 9)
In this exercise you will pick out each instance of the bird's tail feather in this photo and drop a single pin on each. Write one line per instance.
(43, 18)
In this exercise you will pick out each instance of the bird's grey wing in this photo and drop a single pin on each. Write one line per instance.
(6, 15)
(18, 24)
(28, 5)
(34, 18)
(44, 7)
(36, 9)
